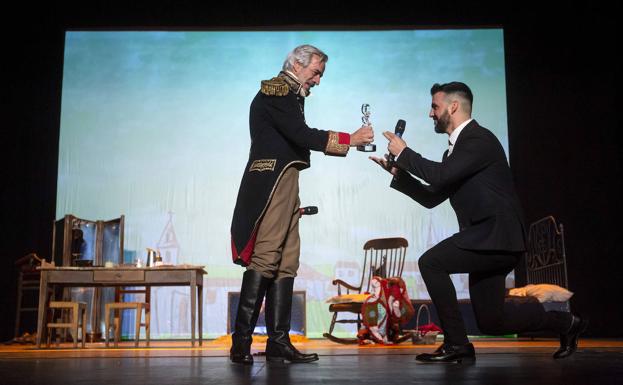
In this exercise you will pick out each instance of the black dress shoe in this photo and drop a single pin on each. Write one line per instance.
(282, 352)
(449, 353)
(569, 340)
(241, 358)
(240, 351)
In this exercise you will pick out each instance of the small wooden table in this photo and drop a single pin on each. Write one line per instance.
(183, 275)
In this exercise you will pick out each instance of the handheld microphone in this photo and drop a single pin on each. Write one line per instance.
(309, 210)
(398, 131)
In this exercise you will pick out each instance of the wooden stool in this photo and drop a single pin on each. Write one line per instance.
(119, 306)
(77, 310)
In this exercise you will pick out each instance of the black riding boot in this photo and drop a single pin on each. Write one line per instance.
(278, 312)
(251, 295)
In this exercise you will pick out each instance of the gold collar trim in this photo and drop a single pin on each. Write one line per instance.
(294, 83)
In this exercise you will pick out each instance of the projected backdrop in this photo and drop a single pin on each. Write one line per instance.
(154, 125)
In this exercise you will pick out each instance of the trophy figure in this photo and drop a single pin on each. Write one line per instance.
(365, 110)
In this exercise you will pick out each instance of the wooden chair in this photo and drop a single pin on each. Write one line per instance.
(27, 281)
(383, 257)
(117, 308)
(77, 310)
(546, 260)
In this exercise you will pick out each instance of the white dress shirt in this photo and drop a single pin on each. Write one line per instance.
(455, 135)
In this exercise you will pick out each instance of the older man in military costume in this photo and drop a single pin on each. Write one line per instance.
(264, 229)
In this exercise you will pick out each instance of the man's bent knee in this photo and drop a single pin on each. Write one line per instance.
(428, 261)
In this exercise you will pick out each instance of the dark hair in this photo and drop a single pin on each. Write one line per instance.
(456, 88)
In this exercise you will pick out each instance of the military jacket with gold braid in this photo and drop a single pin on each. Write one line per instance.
(280, 138)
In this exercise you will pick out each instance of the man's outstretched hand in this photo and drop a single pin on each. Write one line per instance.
(383, 162)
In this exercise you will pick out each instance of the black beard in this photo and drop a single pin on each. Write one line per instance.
(442, 123)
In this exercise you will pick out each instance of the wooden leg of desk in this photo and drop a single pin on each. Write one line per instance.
(147, 322)
(147, 313)
(193, 306)
(200, 313)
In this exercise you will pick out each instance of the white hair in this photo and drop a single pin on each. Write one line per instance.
(303, 55)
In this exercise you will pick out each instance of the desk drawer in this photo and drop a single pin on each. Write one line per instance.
(119, 276)
(73, 276)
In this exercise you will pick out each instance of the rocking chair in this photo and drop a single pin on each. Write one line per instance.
(383, 257)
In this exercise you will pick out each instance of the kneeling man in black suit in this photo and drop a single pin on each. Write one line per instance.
(475, 176)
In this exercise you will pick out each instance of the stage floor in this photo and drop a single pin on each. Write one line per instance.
(499, 361)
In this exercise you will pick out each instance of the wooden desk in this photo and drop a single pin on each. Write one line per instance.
(185, 275)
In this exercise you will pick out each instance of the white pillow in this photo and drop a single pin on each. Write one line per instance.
(543, 292)
(348, 298)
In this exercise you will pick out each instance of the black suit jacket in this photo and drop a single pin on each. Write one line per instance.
(477, 179)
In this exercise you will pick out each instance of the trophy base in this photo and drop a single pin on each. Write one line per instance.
(367, 148)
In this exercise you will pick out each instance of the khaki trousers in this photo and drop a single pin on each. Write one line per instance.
(277, 247)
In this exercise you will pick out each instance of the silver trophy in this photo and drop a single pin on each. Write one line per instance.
(365, 110)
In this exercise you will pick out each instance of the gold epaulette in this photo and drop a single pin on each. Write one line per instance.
(275, 87)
